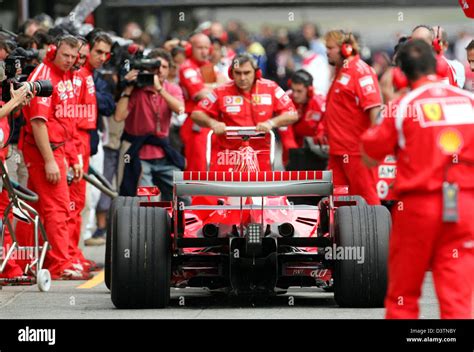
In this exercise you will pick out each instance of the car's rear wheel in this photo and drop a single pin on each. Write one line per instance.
(141, 258)
(363, 282)
(117, 203)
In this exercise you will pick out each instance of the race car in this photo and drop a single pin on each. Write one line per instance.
(242, 236)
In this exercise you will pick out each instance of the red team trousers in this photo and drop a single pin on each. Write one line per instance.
(421, 241)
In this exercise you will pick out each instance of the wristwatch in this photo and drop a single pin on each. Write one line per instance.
(124, 95)
(271, 123)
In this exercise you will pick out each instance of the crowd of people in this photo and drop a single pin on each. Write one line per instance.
(138, 130)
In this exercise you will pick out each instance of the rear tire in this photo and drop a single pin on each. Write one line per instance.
(362, 284)
(117, 203)
(141, 258)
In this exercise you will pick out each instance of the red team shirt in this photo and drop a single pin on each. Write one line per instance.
(86, 97)
(354, 90)
(57, 110)
(192, 82)
(309, 123)
(4, 133)
(428, 129)
(230, 105)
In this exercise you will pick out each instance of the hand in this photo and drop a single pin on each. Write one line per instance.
(131, 76)
(264, 127)
(21, 95)
(78, 172)
(321, 139)
(52, 172)
(158, 85)
(218, 127)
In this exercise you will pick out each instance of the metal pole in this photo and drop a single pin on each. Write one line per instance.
(23, 13)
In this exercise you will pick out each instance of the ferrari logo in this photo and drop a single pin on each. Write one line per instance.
(256, 99)
(433, 111)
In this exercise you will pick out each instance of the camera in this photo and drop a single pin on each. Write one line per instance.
(15, 63)
(40, 88)
(133, 59)
(144, 66)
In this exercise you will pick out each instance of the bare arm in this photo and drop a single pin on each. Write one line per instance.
(174, 103)
(285, 119)
(18, 98)
(121, 109)
(373, 113)
(204, 120)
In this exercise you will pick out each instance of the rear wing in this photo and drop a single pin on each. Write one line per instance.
(253, 184)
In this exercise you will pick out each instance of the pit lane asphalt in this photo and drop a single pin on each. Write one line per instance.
(66, 300)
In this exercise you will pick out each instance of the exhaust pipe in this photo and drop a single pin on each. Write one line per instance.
(210, 231)
(286, 230)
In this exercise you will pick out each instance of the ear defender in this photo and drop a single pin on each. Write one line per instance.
(346, 48)
(307, 79)
(437, 43)
(51, 52)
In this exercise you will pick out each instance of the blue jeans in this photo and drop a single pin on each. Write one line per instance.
(159, 172)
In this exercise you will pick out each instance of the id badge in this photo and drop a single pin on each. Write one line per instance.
(450, 202)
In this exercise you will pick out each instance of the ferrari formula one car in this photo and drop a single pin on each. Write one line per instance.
(241, 235)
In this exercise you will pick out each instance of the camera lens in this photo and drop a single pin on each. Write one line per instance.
(41, 88)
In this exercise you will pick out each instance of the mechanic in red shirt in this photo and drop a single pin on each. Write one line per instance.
(92, 56)
(194, 89)
(352, 105)
(248, 100)
(431, 132)
(48, 146)
(310, 107)
(444, 70)
(19, 97)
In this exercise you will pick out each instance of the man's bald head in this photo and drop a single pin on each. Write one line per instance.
(199, 38)
(201, 45)
(423, 32)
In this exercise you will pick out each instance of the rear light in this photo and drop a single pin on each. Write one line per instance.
(254, 234)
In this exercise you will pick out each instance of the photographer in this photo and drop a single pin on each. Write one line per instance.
(19, 97)
(147, 112)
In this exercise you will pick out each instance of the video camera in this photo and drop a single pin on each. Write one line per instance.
(145, 67)
(135, 60)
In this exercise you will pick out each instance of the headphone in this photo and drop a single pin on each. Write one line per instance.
(346, 47)
(437, 43)
(253, 62)
(303, 76)
(92, 41)
(53, 48)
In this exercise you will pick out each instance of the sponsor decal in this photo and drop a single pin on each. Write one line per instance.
(61, 87)
(387, 171)
(279, 93)
(212, 98)
(190, 73)
(233, 100)
(344, 79)
(262, 99)
(382, 189)
(234, 108)
(450, 141)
